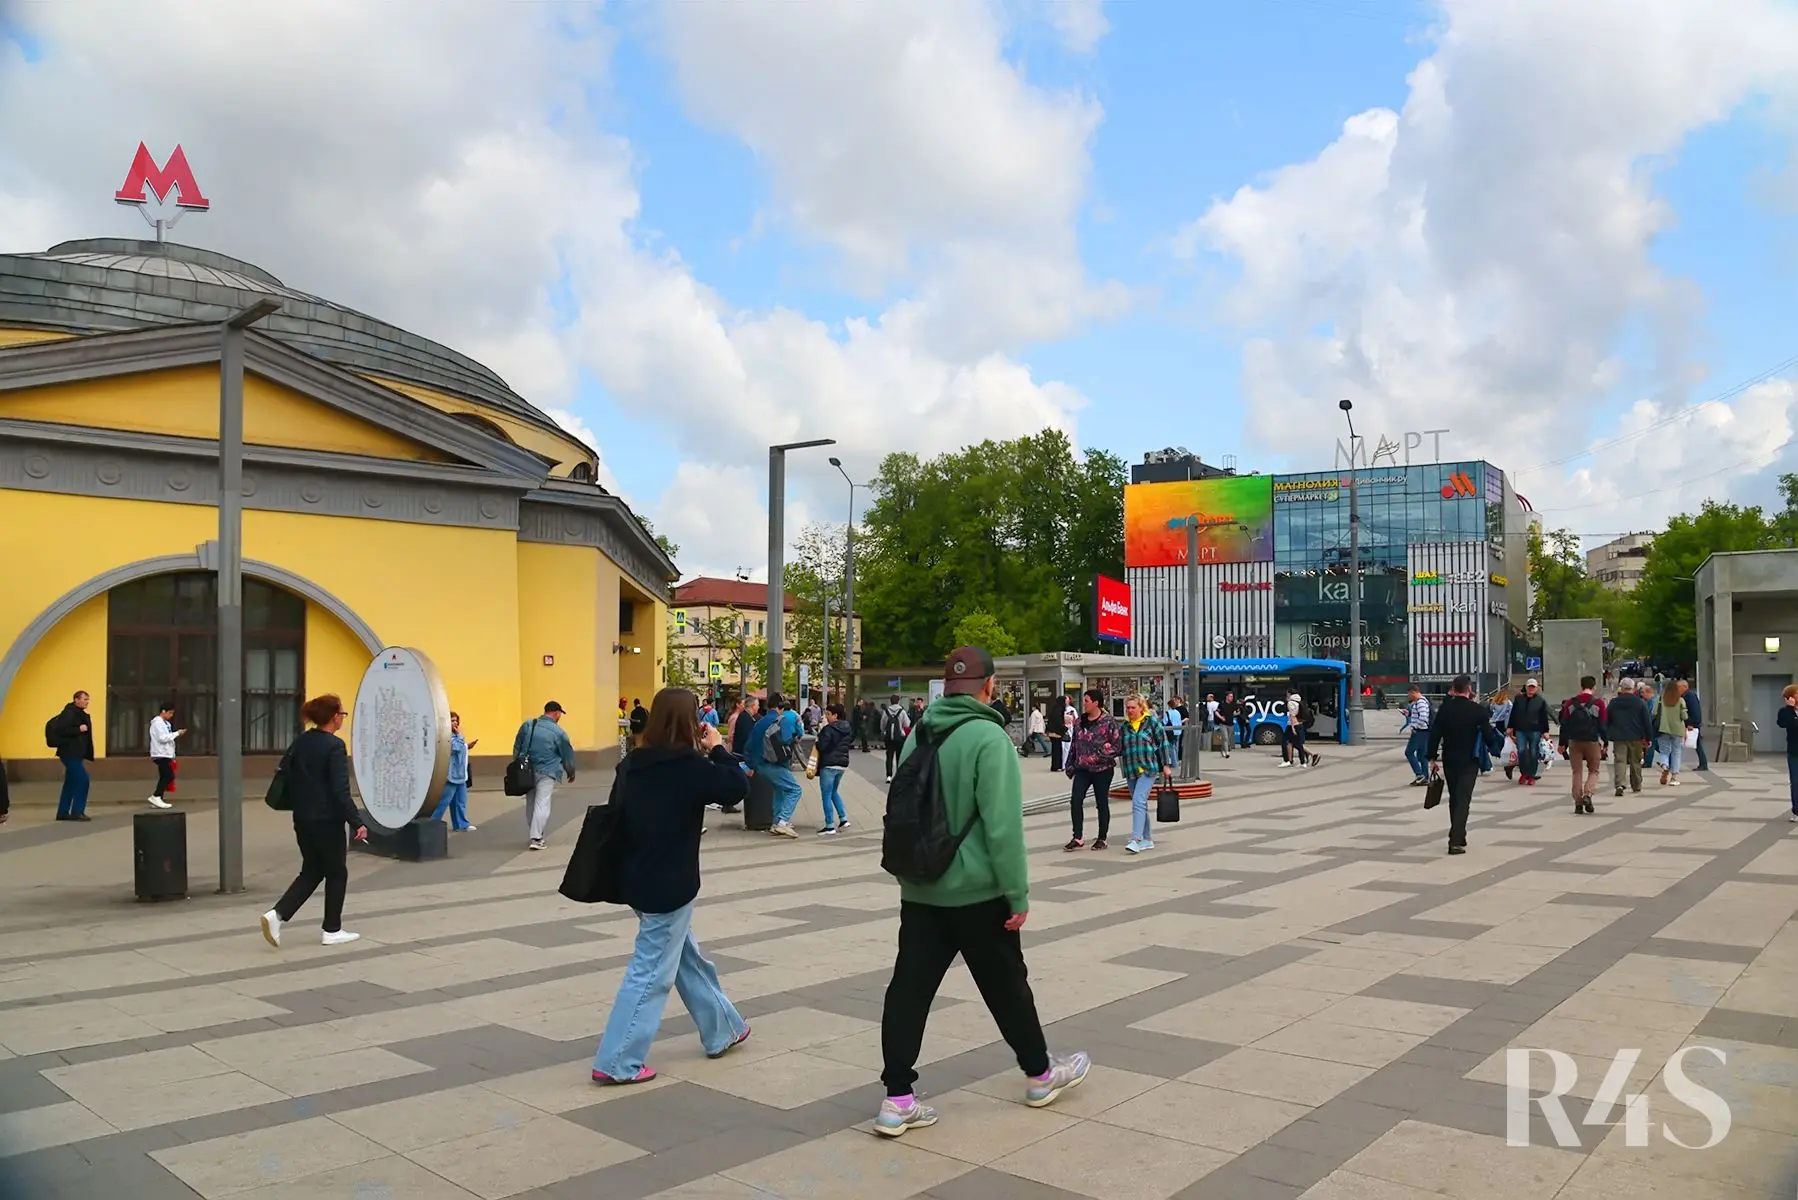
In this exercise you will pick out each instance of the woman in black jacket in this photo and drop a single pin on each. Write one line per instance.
(316, 769)
(833, 759)
(661, 790)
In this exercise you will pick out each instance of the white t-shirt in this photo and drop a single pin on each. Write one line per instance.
(1211, 711)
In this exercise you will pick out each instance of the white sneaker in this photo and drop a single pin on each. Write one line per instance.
(1286, 763)
(159, 802)
(271, 922)
(1792, 817)
(1132, 847)
(786, 831)
(340, 937)
(536, 844)
(843, 824)
(1149, 845)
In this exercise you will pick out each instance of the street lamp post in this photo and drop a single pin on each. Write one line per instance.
(848, 588)
(1354, 699)
(777, 554)
(1192, 737)
(229, 731)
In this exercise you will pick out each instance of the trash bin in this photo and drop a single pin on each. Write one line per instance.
(758, 806)
(159, 848)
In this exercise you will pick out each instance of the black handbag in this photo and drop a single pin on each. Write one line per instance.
(1432, 794)
(595, 872)
(520, 777)
(1167, 806)
(276, 796)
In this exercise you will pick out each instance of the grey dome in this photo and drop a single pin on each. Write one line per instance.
(102, 285)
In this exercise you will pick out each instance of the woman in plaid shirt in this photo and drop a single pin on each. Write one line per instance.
(1145, 758)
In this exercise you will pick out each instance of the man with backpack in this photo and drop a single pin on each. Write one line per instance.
(895, 725)
(771, 748)
(71, 734)
(954, 837)
(1583, 736)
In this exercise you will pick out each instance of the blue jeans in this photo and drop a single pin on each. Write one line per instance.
(72, 802)
(1140, 789)
(1671, 747)
(787, 793)
(455, 800)
(666, 956)
(1417, 752)
(830, 783)
(1792, 776)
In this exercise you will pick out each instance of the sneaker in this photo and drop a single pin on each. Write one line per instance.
(1420, 781)
(889, 779)
(1149, 845)
(1457, 849)
(644, 1076)
(893, 1121)
(828, 831)
(1074, 844)
(738, 1041)
(1620, 791)
(469, 828)
(1315, 759)
(1101, 844)
(536, 844)
(843, 824)
(271, 921)
(1673, 781)
(1133, 847)
(1792, 817)
(159, 802)
(1286, 763)
(1064, 1073)
(340, 937)
(786, 831)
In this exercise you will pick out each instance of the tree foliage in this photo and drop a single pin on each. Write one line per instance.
(1661, 621)
(1014, 530)
(983, 629)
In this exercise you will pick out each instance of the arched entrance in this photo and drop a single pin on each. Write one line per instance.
(162, 647)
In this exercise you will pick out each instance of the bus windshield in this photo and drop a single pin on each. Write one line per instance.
(1263, 687)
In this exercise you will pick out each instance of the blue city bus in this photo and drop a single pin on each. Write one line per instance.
(1263, 684)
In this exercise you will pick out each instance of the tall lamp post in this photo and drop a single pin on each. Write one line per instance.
(230, 592)
(777, 555)
(1192, 737)
(1355, 729)
(848, 588)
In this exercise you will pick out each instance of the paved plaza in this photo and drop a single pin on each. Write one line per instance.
(1296, 994)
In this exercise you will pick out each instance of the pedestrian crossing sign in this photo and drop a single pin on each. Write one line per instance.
(717, 670)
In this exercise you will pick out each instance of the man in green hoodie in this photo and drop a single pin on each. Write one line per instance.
(975, 908)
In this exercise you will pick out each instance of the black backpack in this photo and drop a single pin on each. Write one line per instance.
(50, 731)
(1581, 722)
(917, 844)
(1306, 716)
(776, 751)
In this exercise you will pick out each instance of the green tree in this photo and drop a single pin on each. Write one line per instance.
(1661, 618)
(983, 629)
(1014, 530)
(1558, 574)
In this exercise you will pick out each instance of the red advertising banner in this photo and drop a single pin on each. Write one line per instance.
(1111, 609)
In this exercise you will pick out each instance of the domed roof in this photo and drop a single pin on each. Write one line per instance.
(107, 284)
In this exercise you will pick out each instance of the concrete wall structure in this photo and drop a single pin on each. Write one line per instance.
(1570, 649)
(1746, 605)
(463, 523)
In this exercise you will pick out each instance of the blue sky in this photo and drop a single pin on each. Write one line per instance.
(690, 230)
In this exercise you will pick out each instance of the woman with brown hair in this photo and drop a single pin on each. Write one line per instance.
(1670, 727)
(317, 773)
(660, 795)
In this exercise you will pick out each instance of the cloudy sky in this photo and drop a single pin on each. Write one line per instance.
(1566, 232)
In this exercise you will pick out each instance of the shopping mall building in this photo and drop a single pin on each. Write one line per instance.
(395, 492)
(1444, 582)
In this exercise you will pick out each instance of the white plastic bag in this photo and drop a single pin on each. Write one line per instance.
(1508, 756)
(1545, 755)
(1691, 739)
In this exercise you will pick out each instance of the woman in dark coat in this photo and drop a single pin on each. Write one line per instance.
(661, 790)
(316, 769)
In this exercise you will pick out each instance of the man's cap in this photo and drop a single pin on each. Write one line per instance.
(967, 671)
(1626, 685)
(1528, 683)
(552, 706)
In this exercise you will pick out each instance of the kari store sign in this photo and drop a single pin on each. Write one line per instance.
(1234, 516)
(1111, 609)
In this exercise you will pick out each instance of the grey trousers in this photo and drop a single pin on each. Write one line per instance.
(536, 806)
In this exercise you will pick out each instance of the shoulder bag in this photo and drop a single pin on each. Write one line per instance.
(520, 776)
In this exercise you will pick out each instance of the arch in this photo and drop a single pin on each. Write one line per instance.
(490, 428)
(204, 558)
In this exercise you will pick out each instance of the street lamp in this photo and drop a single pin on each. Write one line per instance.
(848, 586)
(777, 554)
(230, 591)
(1354, 699)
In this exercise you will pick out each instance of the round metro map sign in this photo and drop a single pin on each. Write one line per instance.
(399, 739)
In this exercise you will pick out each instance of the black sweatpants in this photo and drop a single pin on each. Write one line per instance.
(165, 775)
(1458, 779)
(1100, 783)
(929, 939)
(324, 858)
(893, 749)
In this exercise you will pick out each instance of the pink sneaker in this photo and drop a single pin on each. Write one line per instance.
(643, 1076)
(741, 1038)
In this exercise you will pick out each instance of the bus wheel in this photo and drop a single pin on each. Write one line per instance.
(1267, 735)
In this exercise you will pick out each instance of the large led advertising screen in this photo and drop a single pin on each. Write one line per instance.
(1235, 515)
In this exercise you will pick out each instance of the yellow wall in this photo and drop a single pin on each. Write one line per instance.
(71, 657)
(184, 401)
(564, 450)
(558, 589)
(24, 337)
(335, 657)
(640, 676)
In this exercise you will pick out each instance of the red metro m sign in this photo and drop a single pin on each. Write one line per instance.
(145, 178)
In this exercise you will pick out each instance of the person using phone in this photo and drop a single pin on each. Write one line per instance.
(317, 769)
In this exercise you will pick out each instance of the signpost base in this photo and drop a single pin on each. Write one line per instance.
(424, 840)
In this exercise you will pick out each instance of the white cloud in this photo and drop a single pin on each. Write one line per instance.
(1477, 260)
(1081, 23)
(434, 165)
